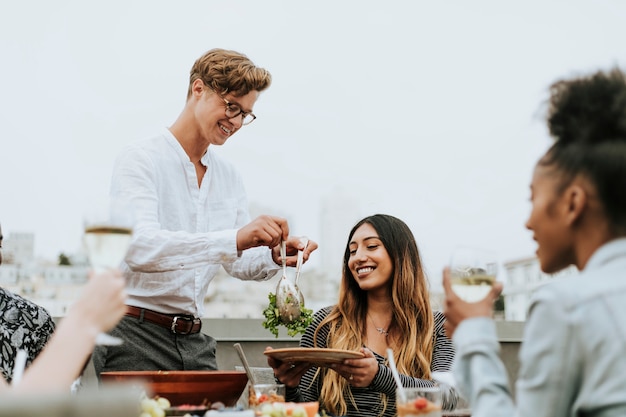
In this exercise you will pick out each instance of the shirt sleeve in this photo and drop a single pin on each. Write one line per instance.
(545, 380)
(134, 185)
(479, 370)
(254, 264)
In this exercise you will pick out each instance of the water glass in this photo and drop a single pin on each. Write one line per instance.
(265, 394)
(419, 402)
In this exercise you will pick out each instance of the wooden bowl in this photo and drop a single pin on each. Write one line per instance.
(186, 387)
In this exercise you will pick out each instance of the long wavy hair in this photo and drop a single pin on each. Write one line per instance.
(412, 320)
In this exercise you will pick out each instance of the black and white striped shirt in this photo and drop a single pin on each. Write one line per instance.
(368, 400)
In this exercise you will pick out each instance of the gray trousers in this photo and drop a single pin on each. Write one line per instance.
(149, 347)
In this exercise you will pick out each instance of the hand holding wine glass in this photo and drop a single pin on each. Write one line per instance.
(473, 272)
(108, 233)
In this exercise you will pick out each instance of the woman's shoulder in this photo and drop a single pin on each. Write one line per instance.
(320, 315)
(323, 312)
(440, 319)
(438, 315)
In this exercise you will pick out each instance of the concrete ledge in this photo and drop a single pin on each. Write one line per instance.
(254, 339)
(242, 330)
(238, 330)
(510, 331)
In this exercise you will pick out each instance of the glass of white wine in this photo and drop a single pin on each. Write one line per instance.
(473, 272)
(108, 233)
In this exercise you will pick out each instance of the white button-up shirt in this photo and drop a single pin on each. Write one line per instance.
(183, 233)
(573, 356)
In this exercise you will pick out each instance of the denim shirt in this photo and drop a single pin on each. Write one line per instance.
(573, 359)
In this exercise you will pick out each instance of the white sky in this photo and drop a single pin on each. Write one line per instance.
(430, 111)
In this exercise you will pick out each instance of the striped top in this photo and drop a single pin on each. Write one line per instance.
(369, 399)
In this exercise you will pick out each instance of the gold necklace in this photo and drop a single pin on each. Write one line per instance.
(380, 330)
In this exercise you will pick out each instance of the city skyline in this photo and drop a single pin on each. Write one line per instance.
(432, 112)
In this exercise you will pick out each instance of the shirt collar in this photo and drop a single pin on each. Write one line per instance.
(613, 249)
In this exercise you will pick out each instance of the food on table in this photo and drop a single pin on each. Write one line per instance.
(161, 407)
(255, 401)
(419, 407)
(294, 409)
(290, 409)
(154, 407)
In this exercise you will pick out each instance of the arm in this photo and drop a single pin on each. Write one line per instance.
(479, 370)
(261, 263)
(443, 356)
(174, 231)
(547, 375)
(164, 236)
(298, 379)
(99, 308)
(309, 389)
(548, 363)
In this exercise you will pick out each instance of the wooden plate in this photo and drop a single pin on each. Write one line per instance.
(316, 356)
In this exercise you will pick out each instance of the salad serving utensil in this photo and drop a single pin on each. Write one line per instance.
(244, 362)
(289, 298)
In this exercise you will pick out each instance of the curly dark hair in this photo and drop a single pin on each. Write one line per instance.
(587, 119)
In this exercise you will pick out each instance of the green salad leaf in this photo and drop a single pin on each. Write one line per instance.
(272, 319)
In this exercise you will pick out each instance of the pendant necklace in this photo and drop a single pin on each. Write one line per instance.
(380, 330)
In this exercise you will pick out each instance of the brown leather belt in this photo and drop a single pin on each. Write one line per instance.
(176, 323)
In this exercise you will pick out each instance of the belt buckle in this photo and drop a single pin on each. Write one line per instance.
(175, 322)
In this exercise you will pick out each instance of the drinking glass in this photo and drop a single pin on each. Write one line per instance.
(419, 402)
(473, 272)
(261, 395)
(108, 231)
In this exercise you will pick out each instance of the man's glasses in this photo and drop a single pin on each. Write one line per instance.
(233, 110)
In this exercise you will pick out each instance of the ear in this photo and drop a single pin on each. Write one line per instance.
(575, 203)
(197, 87)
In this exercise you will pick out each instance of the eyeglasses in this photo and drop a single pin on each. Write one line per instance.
(233, 110)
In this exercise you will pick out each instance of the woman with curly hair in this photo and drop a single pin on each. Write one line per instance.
(383, 303)
(572, 361)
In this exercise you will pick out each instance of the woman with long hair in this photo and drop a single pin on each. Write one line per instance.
(383, 303)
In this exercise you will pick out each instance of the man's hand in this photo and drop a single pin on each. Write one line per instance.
(263, 231)
(457, 310)
(293, 245)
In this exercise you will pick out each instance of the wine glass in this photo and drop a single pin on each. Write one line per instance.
(108, 232)
(473, 272)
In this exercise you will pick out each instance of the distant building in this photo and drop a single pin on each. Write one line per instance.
(56, 287)
(52, 286)
(19, 248)
(9, 274)
(339, 214)
(524, 276)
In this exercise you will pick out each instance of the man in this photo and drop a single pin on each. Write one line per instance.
(192, 218)
(23, 325)
(572, 361)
